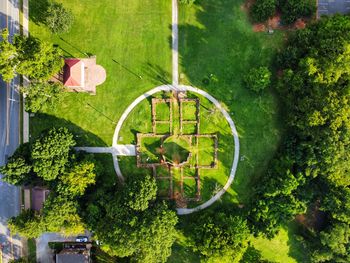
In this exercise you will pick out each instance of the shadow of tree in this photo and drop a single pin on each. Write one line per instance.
(297, 249)
(156, 74)
(217, 44)
(83, 138)
(38, 10)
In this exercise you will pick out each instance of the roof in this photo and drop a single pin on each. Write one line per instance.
(73, 73)
(71, 258)
(39, 196)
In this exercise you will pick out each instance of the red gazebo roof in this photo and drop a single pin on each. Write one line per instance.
(73, 73)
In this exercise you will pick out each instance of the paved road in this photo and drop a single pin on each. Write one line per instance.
(9, 138)
(330, 7)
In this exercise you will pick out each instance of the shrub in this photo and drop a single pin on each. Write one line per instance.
(262, 10)
(258, 78)
(187, 2)
(294, 9)
(58, 19)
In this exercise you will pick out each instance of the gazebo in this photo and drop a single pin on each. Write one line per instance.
(83, 74)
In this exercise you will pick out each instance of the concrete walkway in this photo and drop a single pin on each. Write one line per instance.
(118, 150)
(182, 211)
(130, 150)
(175, 43)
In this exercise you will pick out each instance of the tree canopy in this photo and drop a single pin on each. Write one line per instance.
(313, 163)
(28, 56)
(58, 19)
(220, 236)
(42, 95)
(50, 153)
(143, 229)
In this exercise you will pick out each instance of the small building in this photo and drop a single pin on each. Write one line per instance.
(34, 198)
(331, 7)
(82, 74)
(39, 196)
(74, 253)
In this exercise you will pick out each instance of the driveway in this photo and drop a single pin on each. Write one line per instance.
(43, 252)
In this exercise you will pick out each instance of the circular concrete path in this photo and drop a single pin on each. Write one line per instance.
(183, 211)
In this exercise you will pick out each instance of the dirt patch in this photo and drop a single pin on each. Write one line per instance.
(259, 28)
(314, 218)
(275, 22)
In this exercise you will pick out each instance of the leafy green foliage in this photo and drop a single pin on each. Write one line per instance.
(58, 19)
(313, 163)
(220, 236)
(75, 181)
(294, 9)
(38, 60)
(28, 224)
(16, 171)
(145, 237)
(258, 79)
(142, 229)
(187, 2)
(138, 192)
(42, 95)
(28, 56)
(263, 10)
(60, 214)
(8, 57)
(50, 153)
(334, 245)
(49, 161)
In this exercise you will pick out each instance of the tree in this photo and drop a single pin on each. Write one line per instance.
(220, 236)
(187, 2)
(337, 203)
(258, 79)
(75, 181)
(16, 171)
(145, 236)
(50, 153)
(28, 224)
(60, 214)
(262, 10)
(294, 9)
(58, 19)
(334, 244)
(28, 56)
(39, 60)
(8, 57)
(142, 229)
(41, 95)
(139, 191)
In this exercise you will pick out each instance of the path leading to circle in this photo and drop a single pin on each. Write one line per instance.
(130, 150)
(175, 43)
(182, 211)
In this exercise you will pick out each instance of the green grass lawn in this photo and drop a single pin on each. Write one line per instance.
(217, 38)
(211, 122)
(217, 48)
(163, 112)
(130, 39)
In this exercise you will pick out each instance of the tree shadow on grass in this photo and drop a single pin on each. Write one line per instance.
(156, 74)
(38, 10)
(43, 122)
(296, 248)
